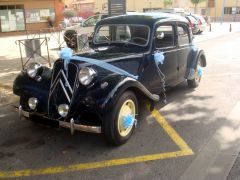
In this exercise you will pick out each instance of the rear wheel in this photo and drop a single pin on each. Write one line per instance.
(119, 124)
(193, 83)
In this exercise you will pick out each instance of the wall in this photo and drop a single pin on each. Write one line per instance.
(31, 4)
(132, 5)
(139, 5)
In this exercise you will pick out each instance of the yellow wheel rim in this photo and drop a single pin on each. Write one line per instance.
(128, 108)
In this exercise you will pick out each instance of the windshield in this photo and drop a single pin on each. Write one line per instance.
(127, 34)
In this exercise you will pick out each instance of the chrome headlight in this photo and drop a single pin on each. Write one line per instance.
(63, 110)
(32, 103)
(32, 69)
(86, 75)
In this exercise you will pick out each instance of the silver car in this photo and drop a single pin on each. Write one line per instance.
(87, 27)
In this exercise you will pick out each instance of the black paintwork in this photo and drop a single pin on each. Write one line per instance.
(99, 97)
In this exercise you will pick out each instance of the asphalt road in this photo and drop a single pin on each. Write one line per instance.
(195, 115)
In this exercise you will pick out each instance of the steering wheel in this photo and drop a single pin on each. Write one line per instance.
(138, 38)
(102, 38)
(106, 38)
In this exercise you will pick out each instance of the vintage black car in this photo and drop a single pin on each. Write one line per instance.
(134, 57)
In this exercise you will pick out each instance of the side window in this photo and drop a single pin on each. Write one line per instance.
(103, 34)
(183, 36)
(123, 33)
(164, 36)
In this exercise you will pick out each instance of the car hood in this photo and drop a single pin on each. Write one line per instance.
(106, 53)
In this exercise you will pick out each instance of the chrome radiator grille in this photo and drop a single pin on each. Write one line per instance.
(62, 87)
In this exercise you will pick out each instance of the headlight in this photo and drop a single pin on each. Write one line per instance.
(32, 69)
(63, 110)
(32, 103)
(86, 75)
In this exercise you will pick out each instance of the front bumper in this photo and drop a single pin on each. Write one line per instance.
(69, 125)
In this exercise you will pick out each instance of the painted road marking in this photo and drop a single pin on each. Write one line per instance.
(185, 150)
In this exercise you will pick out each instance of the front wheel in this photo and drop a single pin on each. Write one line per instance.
(119, 124)
(193, 83)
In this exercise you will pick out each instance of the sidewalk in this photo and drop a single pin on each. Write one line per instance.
(10, 61)
(218, 29)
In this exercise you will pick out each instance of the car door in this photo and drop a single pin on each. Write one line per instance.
(184, 48)
(165, 42)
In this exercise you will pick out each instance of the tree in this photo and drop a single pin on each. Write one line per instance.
(196, 2)
(167, 3)
(69, 13)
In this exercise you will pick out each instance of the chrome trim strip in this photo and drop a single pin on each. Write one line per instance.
(65, 78)
(53, 73)
(165, 50)
(66, 94)
(55, 81)
(80, 127)
(50, 93)
(22, 113)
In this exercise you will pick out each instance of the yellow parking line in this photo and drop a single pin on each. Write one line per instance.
(171, 132)
(184, 151)
(85, 166)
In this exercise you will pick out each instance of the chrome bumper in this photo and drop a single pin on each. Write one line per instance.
(70, 125)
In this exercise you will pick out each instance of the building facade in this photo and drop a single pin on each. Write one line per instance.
(18, 16)
(226, 10)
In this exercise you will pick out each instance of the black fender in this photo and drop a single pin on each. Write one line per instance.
(128, 83)
(194, 56)
(102, 96)
(26, 87)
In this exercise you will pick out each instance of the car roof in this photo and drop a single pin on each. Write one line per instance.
(142, 18)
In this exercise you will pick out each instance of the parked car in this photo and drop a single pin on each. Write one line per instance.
(68, 23)
(85, 27)
(201, 22)
(134, 57)
(193, 23)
